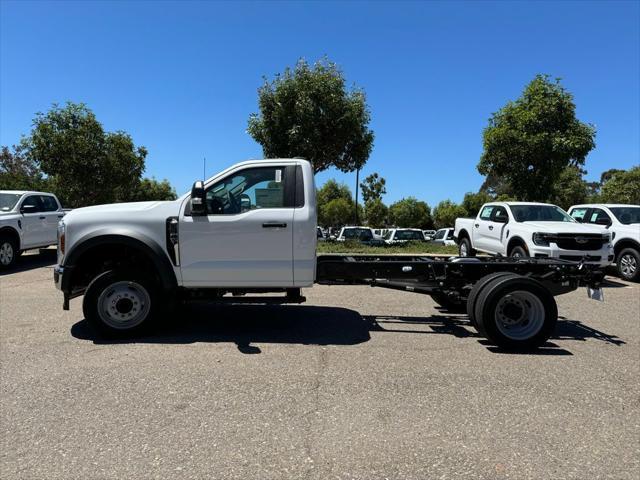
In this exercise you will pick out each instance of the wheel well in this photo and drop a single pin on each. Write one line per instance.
(110, 256)
(625, 243)
(516, 242)
(11, 232)
(463, 234)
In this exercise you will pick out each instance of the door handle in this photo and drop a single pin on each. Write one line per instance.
(60, 216)
(274, 225)
(43, 218)
(477, 225)
(490, 227)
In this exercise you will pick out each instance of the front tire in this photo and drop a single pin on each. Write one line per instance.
(516, 313)
(8, 252)
(519, 252)
(465, 249)
(121, 303)
(628, 264)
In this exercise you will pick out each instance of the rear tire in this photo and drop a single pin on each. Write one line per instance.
(465, 249)
(628, 264)
(519, 252)
(8, 251)
(120, 303)
(516, 313)
(475, 292)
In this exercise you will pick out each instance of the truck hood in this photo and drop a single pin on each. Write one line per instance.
(118, 207)
(123, 212)
(8, 215)
(562, 227)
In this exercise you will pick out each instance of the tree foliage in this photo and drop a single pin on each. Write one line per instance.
(446, 212)
(18, 172)
(570, 188)
(410, 212)
(83, 164)
(308, 112)
(376, 213)
(373, 188)
(152, 189)
(472, 202)
(622, 186)
(530, 141)
(336, 213)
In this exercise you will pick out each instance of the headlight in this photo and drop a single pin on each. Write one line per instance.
(62, 230)
(541, 239)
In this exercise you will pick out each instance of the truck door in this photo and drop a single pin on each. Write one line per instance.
(481, 231)
(496, 229)
(50, 210)
(33, 222)
(246, 237)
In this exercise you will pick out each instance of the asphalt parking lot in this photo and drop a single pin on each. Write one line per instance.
(356, 383)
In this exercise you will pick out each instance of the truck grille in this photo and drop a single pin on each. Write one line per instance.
(586, 241)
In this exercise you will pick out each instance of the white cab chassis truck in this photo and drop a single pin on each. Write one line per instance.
(251, 229)
(28, 220)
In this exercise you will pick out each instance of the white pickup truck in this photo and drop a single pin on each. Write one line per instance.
(623, 221)
(28, 220)
(538, 230)
(251, 229)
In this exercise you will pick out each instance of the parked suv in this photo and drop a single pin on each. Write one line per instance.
(623, 221)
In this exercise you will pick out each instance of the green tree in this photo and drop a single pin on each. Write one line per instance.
(376, 213)
(19, 172)
(446, 212)
(622, 187)
(473, 201)
(332, 190)
(308, 112)
(152, 189)
(410, 212)
(570, 188)
(530, 141)
(336, 213)
(373, 188)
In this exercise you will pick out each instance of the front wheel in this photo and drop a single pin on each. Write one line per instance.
(8, 251)
(465, 249)
(121, 303)
(518, 252)
(628, 264)
(516, 313)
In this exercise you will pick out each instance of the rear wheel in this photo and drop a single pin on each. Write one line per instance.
(516, 313)
(8, 251)
(465, 249)
(121, 303)
(518, 252)
(475, 292)
(628, 264)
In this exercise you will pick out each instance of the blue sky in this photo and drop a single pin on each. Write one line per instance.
(181, 78)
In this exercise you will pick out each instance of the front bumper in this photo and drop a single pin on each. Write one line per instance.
(602, 257)
(61, 276)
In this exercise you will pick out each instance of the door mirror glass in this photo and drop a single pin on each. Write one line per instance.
(501, 218)
(198, 204)
(603, 221)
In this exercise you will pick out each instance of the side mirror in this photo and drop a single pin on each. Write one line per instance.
(579, 219)
(501, 219)
(198, 199)
(27, 209)
(605, 222)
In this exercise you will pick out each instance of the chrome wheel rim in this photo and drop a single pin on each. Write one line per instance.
(516, 255)
(124, 305)
(519, 315)
(628, 265)
(463, 249)
(6, 253)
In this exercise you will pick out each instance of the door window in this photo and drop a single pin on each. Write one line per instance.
(486, 212)
(579, 213)
(250, 189)
(599, 216)
(440, 234)
(33, 200)
(49, 204)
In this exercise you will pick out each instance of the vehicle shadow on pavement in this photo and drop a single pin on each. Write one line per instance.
(247, 324)
(31, 261)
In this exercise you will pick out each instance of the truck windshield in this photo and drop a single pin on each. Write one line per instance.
(626, 215)
(8, 201)
(409, 235)
(540, 213)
